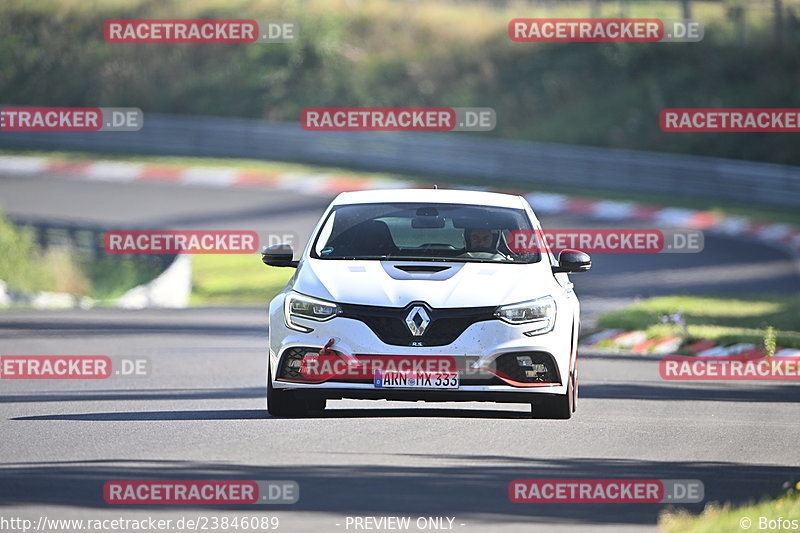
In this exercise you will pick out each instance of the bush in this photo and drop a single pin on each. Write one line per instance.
(25, 268)
(21, 266)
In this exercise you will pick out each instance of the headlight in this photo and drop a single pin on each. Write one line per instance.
(299, 306)
(540, 313)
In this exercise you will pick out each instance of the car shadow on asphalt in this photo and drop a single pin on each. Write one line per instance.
(423, 412)
(249, 414)
(112, 395)
(771, 393)
(133, 416)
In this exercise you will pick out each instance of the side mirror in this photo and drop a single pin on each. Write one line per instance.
(279, 255)
(573, 261)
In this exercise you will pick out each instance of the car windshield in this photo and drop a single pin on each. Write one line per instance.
(422, 232)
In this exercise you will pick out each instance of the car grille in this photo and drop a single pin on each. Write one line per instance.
(445, 326)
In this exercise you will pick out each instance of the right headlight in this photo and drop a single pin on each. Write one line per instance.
(539, 313)
(297, 305)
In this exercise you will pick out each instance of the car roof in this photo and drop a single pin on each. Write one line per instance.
(442, 196)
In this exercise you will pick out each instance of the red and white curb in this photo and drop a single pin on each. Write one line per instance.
(201, 176)
(637, 342)
(782, 235)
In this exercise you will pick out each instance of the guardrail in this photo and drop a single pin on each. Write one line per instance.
(461, 155)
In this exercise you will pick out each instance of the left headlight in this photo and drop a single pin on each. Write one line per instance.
(298, 305)
(540, 313)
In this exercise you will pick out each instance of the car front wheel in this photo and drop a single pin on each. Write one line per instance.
(282, 403)
(557, 407)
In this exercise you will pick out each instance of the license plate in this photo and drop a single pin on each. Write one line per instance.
(416, 380)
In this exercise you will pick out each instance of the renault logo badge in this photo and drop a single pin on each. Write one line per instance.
(417, 320)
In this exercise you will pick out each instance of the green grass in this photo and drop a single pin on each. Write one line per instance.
(726, 319)
(726, 518)
(235, 279)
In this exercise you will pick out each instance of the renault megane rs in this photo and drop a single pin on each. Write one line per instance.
(421, 295)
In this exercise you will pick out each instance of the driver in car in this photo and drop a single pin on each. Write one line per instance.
(481, 243)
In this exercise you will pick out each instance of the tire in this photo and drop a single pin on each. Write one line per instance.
(316, 404)
(282, 403)
(557, 407)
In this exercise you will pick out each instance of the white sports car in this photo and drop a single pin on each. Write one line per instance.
(418, 295)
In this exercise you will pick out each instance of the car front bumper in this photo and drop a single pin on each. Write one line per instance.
(482, 342)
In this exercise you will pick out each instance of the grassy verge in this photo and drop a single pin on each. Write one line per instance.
(725, 319)
(722, 519)
(235, 279)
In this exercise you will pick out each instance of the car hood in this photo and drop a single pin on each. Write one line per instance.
(398, 283)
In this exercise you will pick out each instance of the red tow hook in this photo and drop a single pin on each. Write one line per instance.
(309, 357)
(326, 350)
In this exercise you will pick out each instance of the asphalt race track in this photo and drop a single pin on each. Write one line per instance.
(200, 414)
